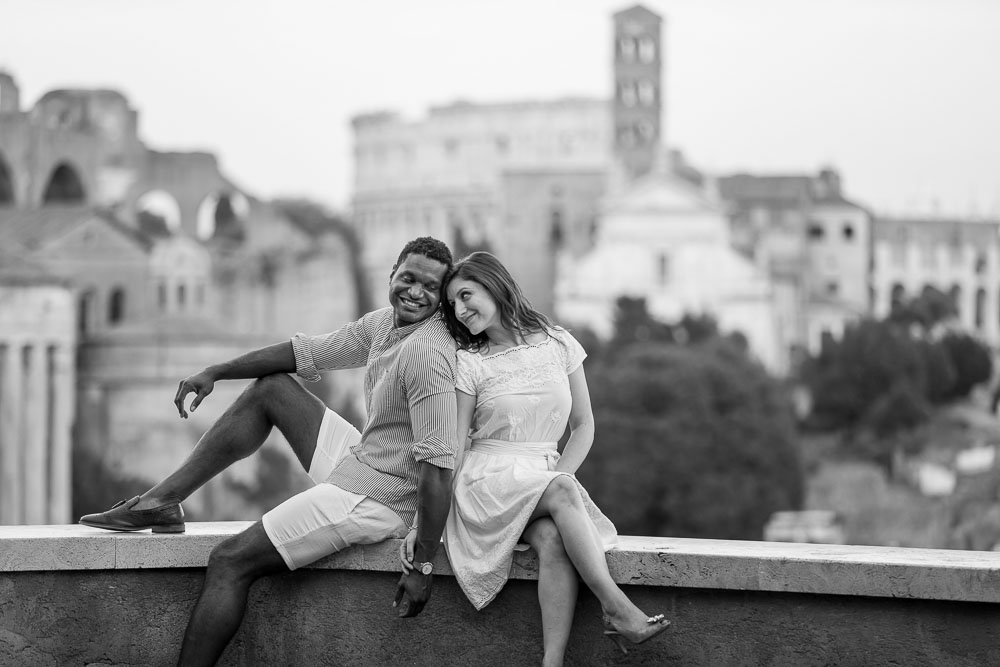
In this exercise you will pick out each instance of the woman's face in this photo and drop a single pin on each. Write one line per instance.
(473, 305)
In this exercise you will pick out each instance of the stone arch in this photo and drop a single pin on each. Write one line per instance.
(64, 186)
(157, 213)
(222, 215)
(6, 183)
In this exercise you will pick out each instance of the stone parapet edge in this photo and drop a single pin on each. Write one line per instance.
(818, 569)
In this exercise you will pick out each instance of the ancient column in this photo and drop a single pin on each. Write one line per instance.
(11, 443)
(36, 431)
(63, 407)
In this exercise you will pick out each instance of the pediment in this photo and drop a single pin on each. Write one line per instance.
(660, 194)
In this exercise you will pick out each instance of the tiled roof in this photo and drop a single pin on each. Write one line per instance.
(16, 270)
(775, 189)
(30, 228)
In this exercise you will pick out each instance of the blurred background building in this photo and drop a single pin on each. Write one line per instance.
(124, 269)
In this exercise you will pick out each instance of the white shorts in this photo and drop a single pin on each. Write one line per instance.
(326, 518)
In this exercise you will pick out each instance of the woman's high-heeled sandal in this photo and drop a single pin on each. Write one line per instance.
(619, 639)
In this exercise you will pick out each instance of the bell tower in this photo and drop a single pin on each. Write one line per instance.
(638, 100)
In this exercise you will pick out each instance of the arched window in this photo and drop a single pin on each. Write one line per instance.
(222, 215)
(85, 312)
(627, 49)
(896, 296)
(955, 294)
(64, 186)
(6, 184)
(980, 308)
(647, 49)
(116, 306)
(158, 213)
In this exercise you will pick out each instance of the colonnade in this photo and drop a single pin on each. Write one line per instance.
(37, 395)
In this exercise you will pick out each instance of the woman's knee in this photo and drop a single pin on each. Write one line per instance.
(547, 541)
(562, 491)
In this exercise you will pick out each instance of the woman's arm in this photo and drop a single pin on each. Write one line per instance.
(466, 409)
(581, 424)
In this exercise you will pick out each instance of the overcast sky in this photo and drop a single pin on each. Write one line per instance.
(902, 96)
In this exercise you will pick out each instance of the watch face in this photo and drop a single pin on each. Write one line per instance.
(426, 568)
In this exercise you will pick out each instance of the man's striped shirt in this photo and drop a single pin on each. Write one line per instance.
(409, 395)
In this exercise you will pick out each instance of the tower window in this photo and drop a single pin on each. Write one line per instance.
(626, 47)
(848, 231)
(627, 93)
(647, 93)
(647, 49)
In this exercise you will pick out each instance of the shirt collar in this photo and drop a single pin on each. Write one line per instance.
(406, 330)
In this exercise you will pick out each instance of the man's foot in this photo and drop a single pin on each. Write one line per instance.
(165, 519)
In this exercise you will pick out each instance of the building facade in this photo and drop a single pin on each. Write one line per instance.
(37, 393)
(168, 267)
(960, 258)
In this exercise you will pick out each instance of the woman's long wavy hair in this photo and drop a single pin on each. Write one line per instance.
(516, 313)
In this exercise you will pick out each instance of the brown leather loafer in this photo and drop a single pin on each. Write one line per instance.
(165, 519)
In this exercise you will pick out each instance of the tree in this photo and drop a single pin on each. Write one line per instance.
(971, 360)
(848, 376)
(693, 440)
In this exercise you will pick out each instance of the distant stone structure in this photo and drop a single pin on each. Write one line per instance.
(168, 266)
(522, 179)
(37, 393)
(960, 258)
(813, 241)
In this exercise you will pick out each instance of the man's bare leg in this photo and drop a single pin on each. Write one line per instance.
(232, 568)
(271, 401)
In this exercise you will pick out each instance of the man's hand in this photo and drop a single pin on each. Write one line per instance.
(200, 384)
(406, 550)
(413, 592)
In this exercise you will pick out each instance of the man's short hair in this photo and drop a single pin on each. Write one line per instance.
(429, 247)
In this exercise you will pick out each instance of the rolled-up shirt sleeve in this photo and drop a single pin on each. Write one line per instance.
(430, 377)
(347, 347)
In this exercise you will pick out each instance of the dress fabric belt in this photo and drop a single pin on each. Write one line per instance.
(546, 450)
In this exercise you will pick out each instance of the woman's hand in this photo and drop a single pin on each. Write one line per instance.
(406, 550)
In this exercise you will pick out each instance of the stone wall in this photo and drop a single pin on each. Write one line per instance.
(73, 595)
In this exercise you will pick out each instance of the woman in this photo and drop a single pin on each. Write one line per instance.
(520, 380)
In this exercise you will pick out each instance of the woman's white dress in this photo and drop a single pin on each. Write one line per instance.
(522, 408)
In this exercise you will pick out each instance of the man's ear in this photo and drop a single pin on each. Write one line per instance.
(393, 272)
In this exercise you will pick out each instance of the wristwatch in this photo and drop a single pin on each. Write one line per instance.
(425, 568)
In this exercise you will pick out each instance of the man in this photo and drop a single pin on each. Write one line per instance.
(399, 463)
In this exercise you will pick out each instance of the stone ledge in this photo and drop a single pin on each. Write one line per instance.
(822, 569)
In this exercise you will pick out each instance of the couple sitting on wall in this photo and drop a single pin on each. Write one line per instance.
(512, 386)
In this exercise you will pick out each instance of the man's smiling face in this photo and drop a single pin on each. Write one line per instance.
(415, 289)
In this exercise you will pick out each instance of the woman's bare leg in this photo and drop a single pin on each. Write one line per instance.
(563, 502)
(557, 588)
